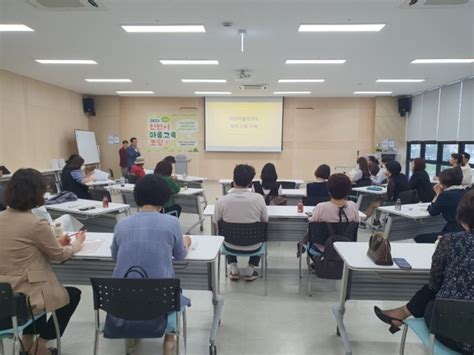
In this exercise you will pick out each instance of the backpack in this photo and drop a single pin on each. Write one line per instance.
(329, 264)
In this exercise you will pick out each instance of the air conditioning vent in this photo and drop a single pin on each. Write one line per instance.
(253, 87)
(80, 5)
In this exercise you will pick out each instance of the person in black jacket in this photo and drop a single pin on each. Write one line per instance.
(420, 181)
(397, 183)
(74, 180)
(449, 193)
(268, 187)
(318, 191)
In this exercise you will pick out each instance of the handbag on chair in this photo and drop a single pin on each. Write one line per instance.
(379, 249)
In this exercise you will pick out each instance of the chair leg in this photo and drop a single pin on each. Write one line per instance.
(300, 248)
(178, 334)
(310, 275)
(185, 331)
(16, 336)
(225, 266)
(58, 333)
(261, 270)
(266, 274)
(97, 332)
(404, 339)
(2, 349)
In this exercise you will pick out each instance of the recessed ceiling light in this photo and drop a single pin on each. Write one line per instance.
(291, 92)
(315, 61)
(165, 29)
(135, 92)
(217, 81)
(301, 81)
(189, 62)
(213, 93)
(443, 61)
(400, 80)
(342, 28)
(15, 28)
(66, 61)
(108, 80)
(373, 93)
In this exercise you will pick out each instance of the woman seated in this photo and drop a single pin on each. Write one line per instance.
(28, 246)
(374, 167)
(164, 169)
(449, 193)
(466, 170)
(420, 181)
(73, 179)
(361, 175)
(269, 188)
(317, 191)
(381, 177)
(151, 240)
(397, 183)
(338, 209)
(137, 168)
(452, 276)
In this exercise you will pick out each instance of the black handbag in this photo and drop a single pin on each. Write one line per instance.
(118, 328)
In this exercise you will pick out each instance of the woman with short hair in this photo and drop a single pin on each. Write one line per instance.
(28, 245)
(318, 190)
(165, 169)
(151, 240)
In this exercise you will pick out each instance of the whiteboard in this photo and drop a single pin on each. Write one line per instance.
(87, 146)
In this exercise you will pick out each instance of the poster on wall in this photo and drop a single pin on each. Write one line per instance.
(173, 133)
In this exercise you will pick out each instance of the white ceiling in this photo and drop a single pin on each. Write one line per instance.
(272, 37)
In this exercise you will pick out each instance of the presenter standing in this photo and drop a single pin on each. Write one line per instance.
(132, 152)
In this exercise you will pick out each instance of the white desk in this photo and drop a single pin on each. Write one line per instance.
(226, 183)
(101, 183)
(411, 220)
(191, 200)
(97, 219)
(285, 222)
(293, 196)
(199, 270)
(363, 280)
(368, 191)
(53, 177)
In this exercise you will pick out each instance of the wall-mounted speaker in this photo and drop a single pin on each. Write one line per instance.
(404, 106)
(88, 106)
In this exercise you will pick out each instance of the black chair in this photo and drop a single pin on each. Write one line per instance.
(129, 199)
(245, 234)
(407, 197)
(287, 184)
(453, 319)
(132, 179)
(315, 200)
(364, 182)
(18, 322)
(319, 232)
(98, 194)
(138, 300)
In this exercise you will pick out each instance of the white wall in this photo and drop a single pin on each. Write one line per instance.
(443, 114)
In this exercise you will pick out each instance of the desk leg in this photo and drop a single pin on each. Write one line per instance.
(339, 310)
(359, 200)
(388, 226)
(218, 303)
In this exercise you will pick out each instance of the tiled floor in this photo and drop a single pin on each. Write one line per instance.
(286, 321)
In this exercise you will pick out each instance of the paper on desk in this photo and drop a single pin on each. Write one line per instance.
(69, 223)
(90, 247)
(194, 243)
(100, 175)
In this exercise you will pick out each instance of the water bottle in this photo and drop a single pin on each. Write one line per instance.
(185, 187)
(122, 181)
(300, 207)
(105, 202)
(398, 205)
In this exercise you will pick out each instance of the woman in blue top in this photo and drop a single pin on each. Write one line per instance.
(151, 240)
(318, 191)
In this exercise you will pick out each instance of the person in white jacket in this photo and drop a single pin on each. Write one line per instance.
(466, 170)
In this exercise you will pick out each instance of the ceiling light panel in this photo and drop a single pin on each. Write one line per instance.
(342, 28)
(165, 29)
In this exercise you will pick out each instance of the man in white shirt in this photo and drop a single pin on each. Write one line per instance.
(466, 170)
(242, 205)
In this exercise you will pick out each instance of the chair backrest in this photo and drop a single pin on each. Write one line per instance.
(7, 301)
(320, 232)
(287, 184)
(453, 319)
(364, 182)
(407, 197)
(129, 199)
(111, 174)
(243, 234)
(132, 179)
(315, 200)
(136, 299)
(98, 194)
